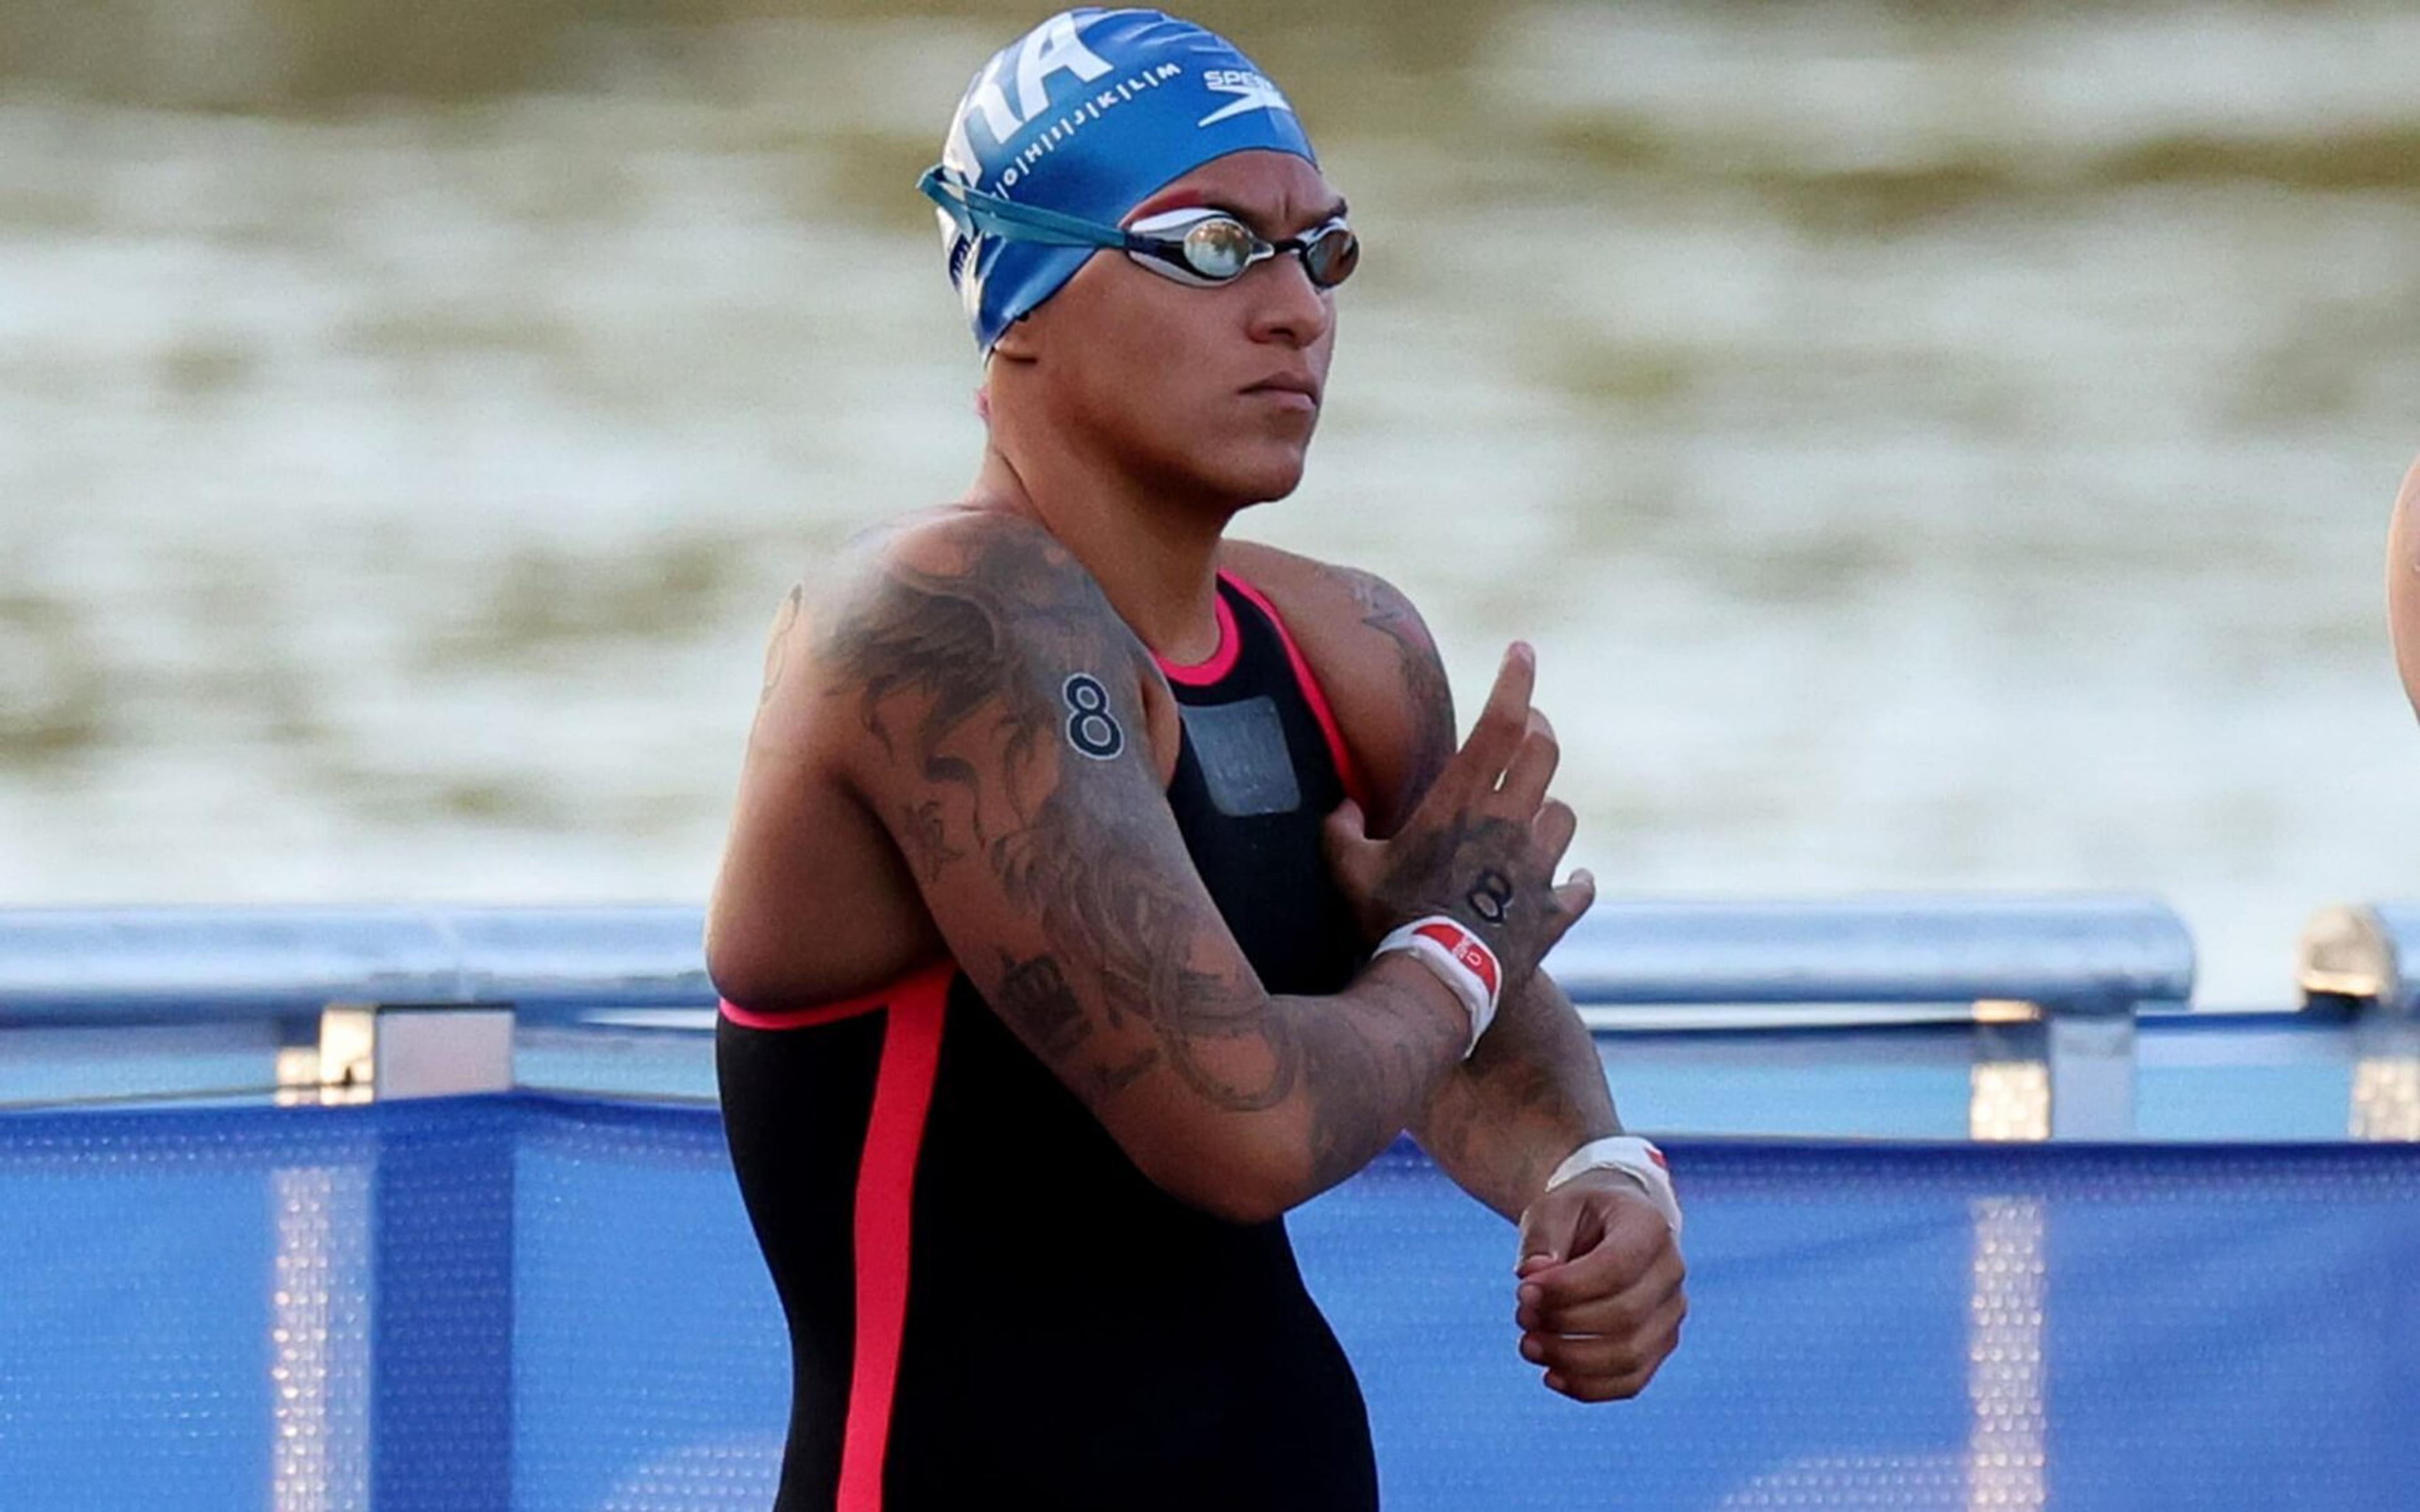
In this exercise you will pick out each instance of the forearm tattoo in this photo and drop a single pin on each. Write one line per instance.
(1010, 686)
(1534, 1092)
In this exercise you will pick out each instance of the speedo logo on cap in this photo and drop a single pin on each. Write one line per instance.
(1253, 91)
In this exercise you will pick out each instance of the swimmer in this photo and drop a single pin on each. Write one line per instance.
(1100, 887)
(2403, 584)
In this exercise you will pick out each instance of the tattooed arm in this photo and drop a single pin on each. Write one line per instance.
(1599, 1295)
(1002, 733)
(1534, 1090)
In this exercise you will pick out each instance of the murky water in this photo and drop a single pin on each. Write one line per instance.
(1932, 445)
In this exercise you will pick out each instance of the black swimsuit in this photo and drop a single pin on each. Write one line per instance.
(988, 1305)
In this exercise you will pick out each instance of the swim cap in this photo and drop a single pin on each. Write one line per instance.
(1087, 114)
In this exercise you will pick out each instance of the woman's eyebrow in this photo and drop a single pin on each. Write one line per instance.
(1171, 199)
(1334, 212)
(1191, 199)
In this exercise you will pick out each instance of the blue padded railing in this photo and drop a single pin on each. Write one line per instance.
(2086, 954)
(2079, 954)
(182, 965)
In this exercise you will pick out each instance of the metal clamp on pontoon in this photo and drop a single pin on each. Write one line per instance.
(2361, 956)
(2365, 960)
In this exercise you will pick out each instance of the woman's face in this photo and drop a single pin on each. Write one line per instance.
(1209, 390)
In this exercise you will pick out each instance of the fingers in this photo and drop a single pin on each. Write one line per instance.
(1553, 828)
(1354, 859)
(1345, 827)
(1502, 722)
(1597, 1369)
(1572, 900)
(1532, 767)
(1624, 1265)
(1619, 1306)
(1603, 1323)
(1485, 842)
(1352, 856)
(1549, 1231)
(1610, 1354)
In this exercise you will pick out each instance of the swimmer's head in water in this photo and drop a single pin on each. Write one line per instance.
(1080, 120)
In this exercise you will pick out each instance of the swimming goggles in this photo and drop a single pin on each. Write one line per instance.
(1201, 245)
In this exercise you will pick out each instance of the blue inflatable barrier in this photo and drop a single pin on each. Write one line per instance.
(551, 1304)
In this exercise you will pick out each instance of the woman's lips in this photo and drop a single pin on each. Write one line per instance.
(1287, 391)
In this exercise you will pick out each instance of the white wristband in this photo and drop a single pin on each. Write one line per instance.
(1461, 960)
(1633, 1157)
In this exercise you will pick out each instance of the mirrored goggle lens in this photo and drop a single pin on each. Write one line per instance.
(1331, 256)
(1219, 248)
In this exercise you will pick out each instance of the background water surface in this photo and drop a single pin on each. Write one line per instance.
(1932, 445)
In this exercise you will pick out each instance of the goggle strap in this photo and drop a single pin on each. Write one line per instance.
(982, 213)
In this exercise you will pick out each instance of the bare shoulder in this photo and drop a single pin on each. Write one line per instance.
(1375, 661)
(964, 594)
(1305, 588)
(945, 603)
(1005, 563)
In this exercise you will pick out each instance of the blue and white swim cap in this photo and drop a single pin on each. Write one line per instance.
(1088, 115)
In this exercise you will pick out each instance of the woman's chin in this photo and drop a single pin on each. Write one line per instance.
(1260, 473)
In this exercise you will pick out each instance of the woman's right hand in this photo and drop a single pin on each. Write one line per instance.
(1483, 845)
